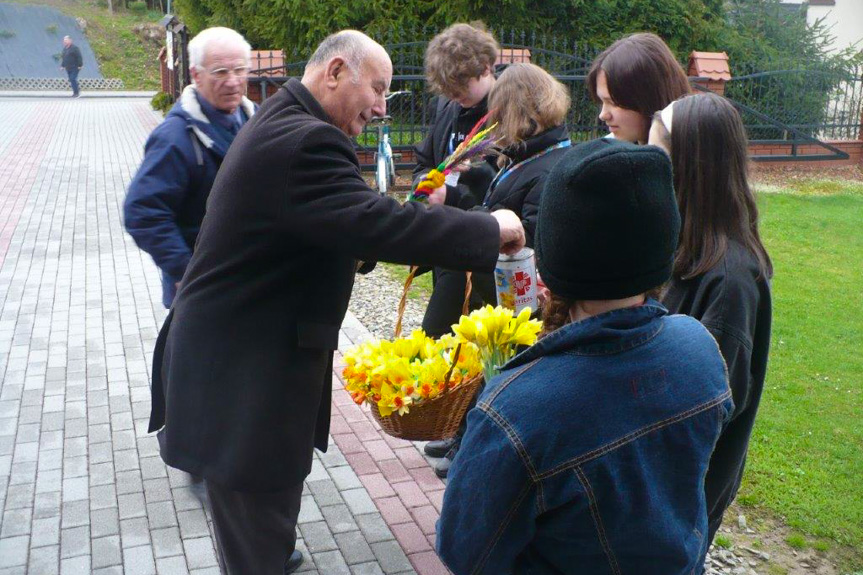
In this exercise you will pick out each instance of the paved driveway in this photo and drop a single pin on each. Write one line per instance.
(82, 488)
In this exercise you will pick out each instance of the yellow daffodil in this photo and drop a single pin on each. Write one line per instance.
(398, 374)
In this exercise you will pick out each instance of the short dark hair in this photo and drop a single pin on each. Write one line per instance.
(710, 161)
(641, 74)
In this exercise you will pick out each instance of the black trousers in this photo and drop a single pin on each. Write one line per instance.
(255, 532)
(445, 303)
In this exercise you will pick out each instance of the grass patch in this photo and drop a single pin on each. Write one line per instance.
(121, 53)
(722, 541)
(814, 187)
(805, 458)
(399, 136)
(796, 541)
(421, 287)
(821, 545)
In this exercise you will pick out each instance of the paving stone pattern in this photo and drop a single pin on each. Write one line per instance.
(82, 488)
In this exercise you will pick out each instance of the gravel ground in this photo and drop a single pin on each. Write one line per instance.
(375, 302)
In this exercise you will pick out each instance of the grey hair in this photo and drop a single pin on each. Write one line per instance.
(351, 45)
(199, 44)
(67, 37)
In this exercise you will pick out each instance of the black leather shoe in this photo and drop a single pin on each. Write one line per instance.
(441, 468)
(294, 561)
(439, 448)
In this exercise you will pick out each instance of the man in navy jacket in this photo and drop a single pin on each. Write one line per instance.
(167, 198)
(71, 61)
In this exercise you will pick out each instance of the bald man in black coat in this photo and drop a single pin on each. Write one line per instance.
(243, 365)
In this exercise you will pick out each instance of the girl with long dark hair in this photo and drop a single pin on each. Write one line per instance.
(721, 268)
(632, 79)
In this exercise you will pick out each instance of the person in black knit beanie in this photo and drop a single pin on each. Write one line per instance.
(588, 452)
(585, 257)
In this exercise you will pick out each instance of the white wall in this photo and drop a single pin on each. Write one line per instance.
(845, 20)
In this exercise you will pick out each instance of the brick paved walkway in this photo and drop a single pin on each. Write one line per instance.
(82, 488)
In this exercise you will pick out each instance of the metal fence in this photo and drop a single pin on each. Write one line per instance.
(825, 104)
(567, 60)
(779, 102)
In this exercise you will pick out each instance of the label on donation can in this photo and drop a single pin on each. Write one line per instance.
(515, 280)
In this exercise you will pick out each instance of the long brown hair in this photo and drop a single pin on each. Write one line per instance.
(709, 155)
(641, 74)
(526, 101)
(555, 310)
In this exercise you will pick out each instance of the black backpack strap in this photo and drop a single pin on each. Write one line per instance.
(199, 153)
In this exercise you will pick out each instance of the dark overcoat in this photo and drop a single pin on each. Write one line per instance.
(242, 369)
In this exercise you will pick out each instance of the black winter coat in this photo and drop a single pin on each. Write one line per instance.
(72, 59)
(435, 148)
(734, 304)
(520, 190)
(242, 371)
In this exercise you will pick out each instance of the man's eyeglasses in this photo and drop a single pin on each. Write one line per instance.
(223, 73)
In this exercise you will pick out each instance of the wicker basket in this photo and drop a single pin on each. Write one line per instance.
(434, 419)
(440, 417)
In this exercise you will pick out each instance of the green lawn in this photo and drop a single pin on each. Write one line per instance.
(120, 52)
(806, 458)
(399, 136)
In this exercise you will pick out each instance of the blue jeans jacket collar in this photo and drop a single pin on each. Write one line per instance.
(603, 334)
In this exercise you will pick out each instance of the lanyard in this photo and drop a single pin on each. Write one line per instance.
(506, 172)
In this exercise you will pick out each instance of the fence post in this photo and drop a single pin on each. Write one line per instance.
(711, 69)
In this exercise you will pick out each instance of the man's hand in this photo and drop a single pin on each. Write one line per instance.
(511, 231)
(438, 196)
(461, 167)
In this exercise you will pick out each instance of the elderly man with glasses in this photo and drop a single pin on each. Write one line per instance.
(166, 200)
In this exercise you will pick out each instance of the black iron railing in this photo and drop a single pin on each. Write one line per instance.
(779, 103)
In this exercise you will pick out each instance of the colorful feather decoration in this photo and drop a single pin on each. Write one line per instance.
(476, 144)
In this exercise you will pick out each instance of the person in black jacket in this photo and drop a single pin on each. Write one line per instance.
(242, 370)
(459, 67)
(530, 107)
(72, 62)
(721, 270)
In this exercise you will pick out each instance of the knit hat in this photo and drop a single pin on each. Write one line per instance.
(608, 222)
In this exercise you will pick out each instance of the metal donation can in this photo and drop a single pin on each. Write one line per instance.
(515, 280)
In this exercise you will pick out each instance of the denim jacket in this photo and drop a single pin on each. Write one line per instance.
(588, 453)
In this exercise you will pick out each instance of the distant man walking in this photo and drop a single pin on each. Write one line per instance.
(72, 62)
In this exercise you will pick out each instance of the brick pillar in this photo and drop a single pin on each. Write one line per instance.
(711, 69)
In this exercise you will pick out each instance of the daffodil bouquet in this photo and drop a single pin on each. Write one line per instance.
(497, 335)
(398, 374)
